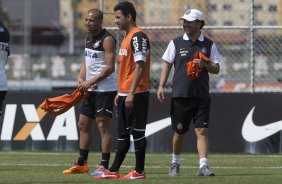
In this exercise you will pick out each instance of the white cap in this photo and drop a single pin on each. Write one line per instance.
(193, 14)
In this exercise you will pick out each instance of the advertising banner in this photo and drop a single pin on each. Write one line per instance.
(240, 122)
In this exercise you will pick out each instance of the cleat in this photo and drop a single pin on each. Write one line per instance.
(77, 169)
(134, 175)
(174, 169)
(107, 175)
(100, 170)
(205, 171)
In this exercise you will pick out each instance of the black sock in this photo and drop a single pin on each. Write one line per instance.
(123, 145)
(83, 156)
(140, 144)
(105, 160)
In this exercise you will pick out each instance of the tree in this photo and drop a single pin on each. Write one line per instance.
(4, 18)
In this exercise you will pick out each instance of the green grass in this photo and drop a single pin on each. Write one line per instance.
(40, 167)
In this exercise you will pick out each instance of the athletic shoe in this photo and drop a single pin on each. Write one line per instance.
(205, 171)
(77, 169)
(134, 175)
(107, 175)
(174, 169)
(100, 170)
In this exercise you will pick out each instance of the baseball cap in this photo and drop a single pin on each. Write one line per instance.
(192, 14)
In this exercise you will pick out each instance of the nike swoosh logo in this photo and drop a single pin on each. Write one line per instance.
(135, 177)
(156, 126)
(99, 110)
(109, 111)
(254, 133)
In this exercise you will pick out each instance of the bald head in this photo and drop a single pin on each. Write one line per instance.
(94, 21)
(97, 13)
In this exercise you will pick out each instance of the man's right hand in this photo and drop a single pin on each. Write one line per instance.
(116, 100)
(79, 83)
(160, 94)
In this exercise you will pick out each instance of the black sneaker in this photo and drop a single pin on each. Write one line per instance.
(174, 169)
(205, 171)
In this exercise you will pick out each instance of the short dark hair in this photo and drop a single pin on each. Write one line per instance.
(126, 8)
(98, 12)
(202, 23)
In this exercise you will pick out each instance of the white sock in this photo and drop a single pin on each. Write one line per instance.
(175, 158)
(203, 162)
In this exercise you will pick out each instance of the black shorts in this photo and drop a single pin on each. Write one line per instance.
(184, 110)
(132, 120)
(98, 104)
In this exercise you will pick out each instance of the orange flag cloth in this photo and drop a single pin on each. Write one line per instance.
(60, 104)
(192, 70)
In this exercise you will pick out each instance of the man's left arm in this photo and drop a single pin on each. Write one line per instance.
(140, 47)
(139, 70)
(213, 66)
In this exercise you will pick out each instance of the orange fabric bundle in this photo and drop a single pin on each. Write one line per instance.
(61, 104)
(192, 70)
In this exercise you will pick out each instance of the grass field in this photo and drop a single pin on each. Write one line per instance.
(41, 167)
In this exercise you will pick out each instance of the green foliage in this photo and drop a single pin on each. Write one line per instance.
(3, 15)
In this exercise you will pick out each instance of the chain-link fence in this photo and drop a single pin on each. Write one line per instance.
(246, 32)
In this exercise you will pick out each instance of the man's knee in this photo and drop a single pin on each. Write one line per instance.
(180, 128)
(83, 126)
(201, 131)
(103, 125)
(137, 134)
(140, 141)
